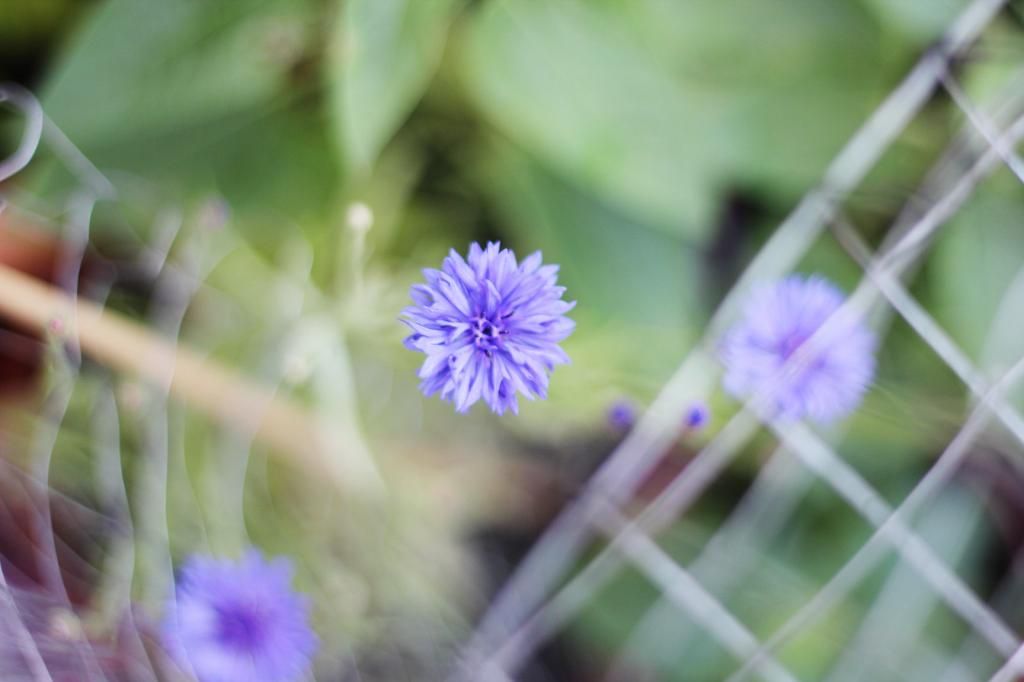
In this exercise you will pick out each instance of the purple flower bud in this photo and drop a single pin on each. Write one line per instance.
(621, 415)
(696, 417)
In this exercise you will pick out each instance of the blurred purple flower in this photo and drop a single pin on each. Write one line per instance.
(239, 621)
(621, 415)
(830, 378)
(490, 328)
(696, 417)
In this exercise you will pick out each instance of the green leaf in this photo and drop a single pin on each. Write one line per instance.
(385, 53)
(142, 68)
(24, 26)
(555, 78)
(1004, 345)
(788, 81)
(976, 261)
(628, 273)
(200, 99)
(922, 20)
(656, 104)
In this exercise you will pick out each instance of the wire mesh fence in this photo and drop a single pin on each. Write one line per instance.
(608, 530)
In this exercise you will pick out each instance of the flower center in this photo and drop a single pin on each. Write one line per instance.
(487, 333)
(790, 344)
(241, 626)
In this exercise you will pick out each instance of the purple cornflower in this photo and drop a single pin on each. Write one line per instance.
(621, 415)
(490, 328)
(696, 417)
(828, 379)
(239, 621)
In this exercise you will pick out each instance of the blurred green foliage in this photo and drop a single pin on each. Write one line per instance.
(648, 146)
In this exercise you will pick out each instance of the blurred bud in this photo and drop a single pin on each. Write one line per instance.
(359, 217)
(621, 415)
(296, 369)
(696, 417)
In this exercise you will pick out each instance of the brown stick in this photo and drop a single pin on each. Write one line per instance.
(128, 347)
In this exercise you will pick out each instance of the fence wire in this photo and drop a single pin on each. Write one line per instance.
(554, 583)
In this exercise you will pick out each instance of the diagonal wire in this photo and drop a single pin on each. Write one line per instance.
(716, 455)
(656, 623)
(1005, 596)
(895, 623)
(1012, 669)
(892, 528)
(930, 331)
(877, 547)
(914, 314)
(564, 540)
(977, 613)
(936, 477)
(683, 589)
(983, 125)
(944, 346)
(728, 557)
